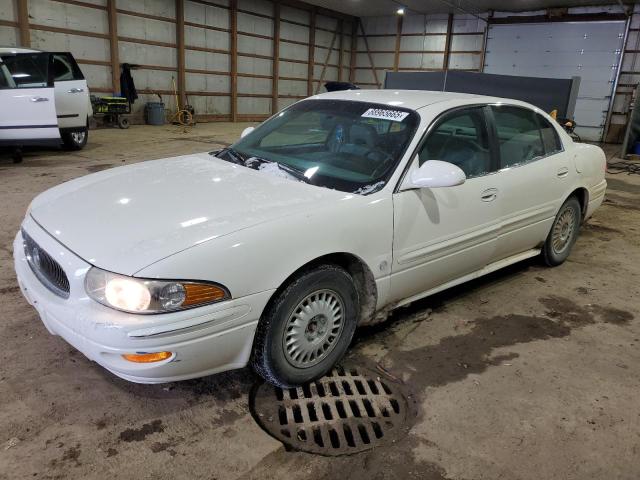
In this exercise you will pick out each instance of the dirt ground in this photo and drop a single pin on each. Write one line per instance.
(530, 373)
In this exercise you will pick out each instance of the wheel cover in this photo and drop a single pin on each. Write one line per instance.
(563, 230)
(78, 137)
(313, 328)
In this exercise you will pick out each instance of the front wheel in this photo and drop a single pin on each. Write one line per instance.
(563, 234)
(307, 328)
(75, 140)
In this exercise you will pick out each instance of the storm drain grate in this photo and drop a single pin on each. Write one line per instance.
(347, 411)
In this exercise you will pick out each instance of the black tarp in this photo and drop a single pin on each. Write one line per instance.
(545, 93)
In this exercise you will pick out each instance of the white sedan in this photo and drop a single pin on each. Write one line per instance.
(327, 216)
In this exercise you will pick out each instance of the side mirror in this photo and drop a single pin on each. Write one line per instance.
(246, 131)
(434, 174)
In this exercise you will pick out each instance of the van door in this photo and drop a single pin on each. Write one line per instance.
(72, 94)
(28, 113)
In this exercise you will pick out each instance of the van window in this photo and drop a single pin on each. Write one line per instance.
(5, 77)
(65, 68)
(518, 135)
(28, 70)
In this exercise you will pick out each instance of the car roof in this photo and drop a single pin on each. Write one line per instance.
(5, 50)
(412, 99)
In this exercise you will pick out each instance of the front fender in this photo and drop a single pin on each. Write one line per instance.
(262, 257)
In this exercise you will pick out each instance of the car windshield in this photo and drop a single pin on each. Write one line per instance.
(344, 145)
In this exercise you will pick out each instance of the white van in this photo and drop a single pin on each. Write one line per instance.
(44, 99)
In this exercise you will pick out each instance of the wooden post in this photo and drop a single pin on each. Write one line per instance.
(447, 45)
(312, 52)
(341, 50)
(354, 51)
(182, 80)
(326, 61)
(276, 57)
(233, 20)
(396, 58)
(112, 15)
(23, 23)
(366, 45)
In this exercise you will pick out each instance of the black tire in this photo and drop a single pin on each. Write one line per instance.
(570, 211)
(269, 358)
(75, 140)
(123, 123)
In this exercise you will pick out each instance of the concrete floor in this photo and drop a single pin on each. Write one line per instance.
(530, 373)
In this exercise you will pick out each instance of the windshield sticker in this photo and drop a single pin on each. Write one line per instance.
(393, 115)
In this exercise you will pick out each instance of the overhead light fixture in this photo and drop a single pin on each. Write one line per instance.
(400, 11)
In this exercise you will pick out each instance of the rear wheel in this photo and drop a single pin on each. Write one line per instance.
(307, 328)
(75, 140)
(563, 233)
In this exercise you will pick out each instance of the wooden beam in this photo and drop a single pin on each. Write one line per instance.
(275, 69)
(366, 44)
(341, 51)
(353, 58)
(312, 52)
(447, 44)
(485, 36)
(182, 79)
(233, 21)
(23, 23)
(326, 61)
(396, 57)
(112, 15)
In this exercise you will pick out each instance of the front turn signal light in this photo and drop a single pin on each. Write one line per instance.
(147, 357)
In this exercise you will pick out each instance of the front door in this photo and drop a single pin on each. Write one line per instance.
(441, 234)
(28, 113)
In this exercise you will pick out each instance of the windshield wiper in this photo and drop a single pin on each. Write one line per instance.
(294, 172)
(232, 154)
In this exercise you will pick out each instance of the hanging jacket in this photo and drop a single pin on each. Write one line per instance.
(127, 87)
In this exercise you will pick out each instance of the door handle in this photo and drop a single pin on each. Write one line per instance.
(563, 172)
(76, 90)
(489, 195)
(39, 99)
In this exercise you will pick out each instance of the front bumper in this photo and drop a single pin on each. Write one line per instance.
(203, 340)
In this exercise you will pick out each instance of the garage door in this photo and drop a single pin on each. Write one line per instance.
(590, 50)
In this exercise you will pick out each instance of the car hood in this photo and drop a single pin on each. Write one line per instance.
(127, 218)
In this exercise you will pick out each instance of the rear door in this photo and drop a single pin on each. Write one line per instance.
(72, 95)
(28, 113)
(536, 175)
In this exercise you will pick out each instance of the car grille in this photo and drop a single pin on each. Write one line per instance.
(43, 266)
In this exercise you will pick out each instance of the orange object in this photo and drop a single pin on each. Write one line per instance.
(147, 357)
(199, 293)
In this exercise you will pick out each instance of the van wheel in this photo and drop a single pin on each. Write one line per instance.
(307, 328)
(75, 140)
(563, 234)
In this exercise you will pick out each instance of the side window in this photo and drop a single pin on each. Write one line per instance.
(28, 70)
(460, 138)
(65, 68)
(518, 135)
(5, 78)
(550, 137)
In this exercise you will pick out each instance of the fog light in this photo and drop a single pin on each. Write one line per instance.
(147, 357)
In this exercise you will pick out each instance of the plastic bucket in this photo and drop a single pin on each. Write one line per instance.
(154, 113)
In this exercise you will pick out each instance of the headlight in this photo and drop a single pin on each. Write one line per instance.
(139, 295)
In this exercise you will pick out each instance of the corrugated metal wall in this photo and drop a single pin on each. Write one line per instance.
(417, 43)
(147, 36)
